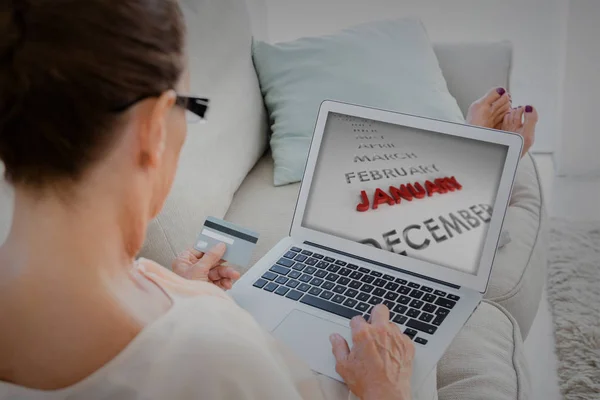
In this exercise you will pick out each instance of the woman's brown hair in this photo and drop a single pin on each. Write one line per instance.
(67, 67)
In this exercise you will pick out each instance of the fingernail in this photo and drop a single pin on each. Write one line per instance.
(333, 337)
(500, 91)
(528, 109)
(221, 246)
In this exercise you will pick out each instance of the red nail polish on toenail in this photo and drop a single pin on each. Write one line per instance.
(528, 109)
(500, 91)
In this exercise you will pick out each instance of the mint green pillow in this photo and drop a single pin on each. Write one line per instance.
(387, 64)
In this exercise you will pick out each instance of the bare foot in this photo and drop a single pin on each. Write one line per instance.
(489, 111)
(522, 120)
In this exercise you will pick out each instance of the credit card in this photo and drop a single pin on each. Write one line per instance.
(240, 241)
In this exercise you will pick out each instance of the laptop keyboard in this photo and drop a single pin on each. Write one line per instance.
(348, 290)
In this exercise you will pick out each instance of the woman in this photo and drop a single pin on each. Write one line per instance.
(91, 127)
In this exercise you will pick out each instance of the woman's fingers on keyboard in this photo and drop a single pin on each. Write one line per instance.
(380, 315)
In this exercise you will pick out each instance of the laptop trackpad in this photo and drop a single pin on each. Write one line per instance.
(308, 337)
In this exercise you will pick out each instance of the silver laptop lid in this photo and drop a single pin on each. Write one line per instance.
(425, 196)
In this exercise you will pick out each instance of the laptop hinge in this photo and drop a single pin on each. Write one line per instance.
(451, 285)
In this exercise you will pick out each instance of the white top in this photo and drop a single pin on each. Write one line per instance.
(205, 347)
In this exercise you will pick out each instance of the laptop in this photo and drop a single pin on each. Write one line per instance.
(393, 209)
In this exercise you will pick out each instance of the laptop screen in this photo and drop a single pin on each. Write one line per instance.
(417, 193)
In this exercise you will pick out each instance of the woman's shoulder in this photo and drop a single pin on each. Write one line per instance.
(207, 346)
(204, 348)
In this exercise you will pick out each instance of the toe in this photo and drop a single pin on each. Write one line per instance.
(499, 113)
(531, 117)
(528, 131)
(512, 124)
(502, 102)
(493, 95)
(506, 123)
(517, 118)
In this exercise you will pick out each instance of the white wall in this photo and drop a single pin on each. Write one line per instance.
(536, 28)
(579, 144)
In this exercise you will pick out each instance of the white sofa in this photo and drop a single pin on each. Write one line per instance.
(226, 171)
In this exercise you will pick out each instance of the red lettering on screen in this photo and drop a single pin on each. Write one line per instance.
(407, 192)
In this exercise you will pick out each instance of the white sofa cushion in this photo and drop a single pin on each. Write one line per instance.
(263, 207)
(519, 271)
(217, 155)
(486, 359)
(258, 19)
